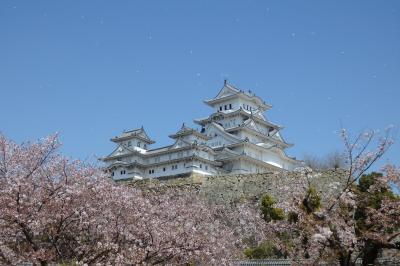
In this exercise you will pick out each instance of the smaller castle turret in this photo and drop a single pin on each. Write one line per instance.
(134, 138)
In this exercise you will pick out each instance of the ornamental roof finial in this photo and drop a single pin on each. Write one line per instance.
(225, 81)
(183, 125)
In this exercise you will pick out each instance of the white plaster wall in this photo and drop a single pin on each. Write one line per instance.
(273, 158)
(266, 156)
(193, 138)
(235, 105)
(230, 122)
(264, 129)
(252, 138)
(159, 170)
(127, 159)
(244, 103)
(129, 173)
(217, 141)
(238, 167)
(135, 143)
(182, 168)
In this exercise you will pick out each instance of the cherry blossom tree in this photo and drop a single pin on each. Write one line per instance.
(55, 210)
(345, 225)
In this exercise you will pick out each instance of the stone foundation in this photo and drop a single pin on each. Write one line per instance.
(228, 189)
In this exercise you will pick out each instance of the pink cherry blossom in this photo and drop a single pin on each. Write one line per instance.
(55, 210)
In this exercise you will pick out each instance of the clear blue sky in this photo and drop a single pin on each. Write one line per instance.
(90, 69)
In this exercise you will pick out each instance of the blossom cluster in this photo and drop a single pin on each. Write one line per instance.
(55, 210)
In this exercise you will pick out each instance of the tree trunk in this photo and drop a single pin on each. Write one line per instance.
(370, 253)
(345, 260)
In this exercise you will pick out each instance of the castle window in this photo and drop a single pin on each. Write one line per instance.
(206, 167)
(145, 146)
(112, 174)
(230, 106)
(220, 108)
(123, 172)
(201, 166)
(164, 169)
(138, 144)
(226, 107)
(129, 143)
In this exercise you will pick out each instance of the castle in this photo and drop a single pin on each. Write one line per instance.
(236, 138)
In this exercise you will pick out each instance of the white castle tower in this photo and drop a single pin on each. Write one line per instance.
(236, 138)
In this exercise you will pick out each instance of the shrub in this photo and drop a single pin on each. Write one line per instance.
(270, 213)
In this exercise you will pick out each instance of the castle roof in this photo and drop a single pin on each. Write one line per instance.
(186, 131)
(240, 111)
(179, 145)
(279, 142)
(228, 92)
(139, 133)
(232, 156)
(186, 158)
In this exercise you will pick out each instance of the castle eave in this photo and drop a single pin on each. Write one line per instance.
(128, 137)
(264, 106)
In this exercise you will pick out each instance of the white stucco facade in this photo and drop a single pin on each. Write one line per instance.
(235, 138)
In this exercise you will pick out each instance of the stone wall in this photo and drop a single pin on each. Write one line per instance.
(235, 188)
(229, 189)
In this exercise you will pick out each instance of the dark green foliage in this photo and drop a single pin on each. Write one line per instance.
(312, 201)
(293, 217)
(277, 214)
(304, 243)
(270, 213)
(367, 180)
(267, 200)
(263, 251)
(369, 200)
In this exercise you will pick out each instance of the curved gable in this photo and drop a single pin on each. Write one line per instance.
(219, 137)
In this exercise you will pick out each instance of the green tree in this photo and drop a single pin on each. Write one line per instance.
(263, 251)
(371, 200)
(271, 213)
(312, 201)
